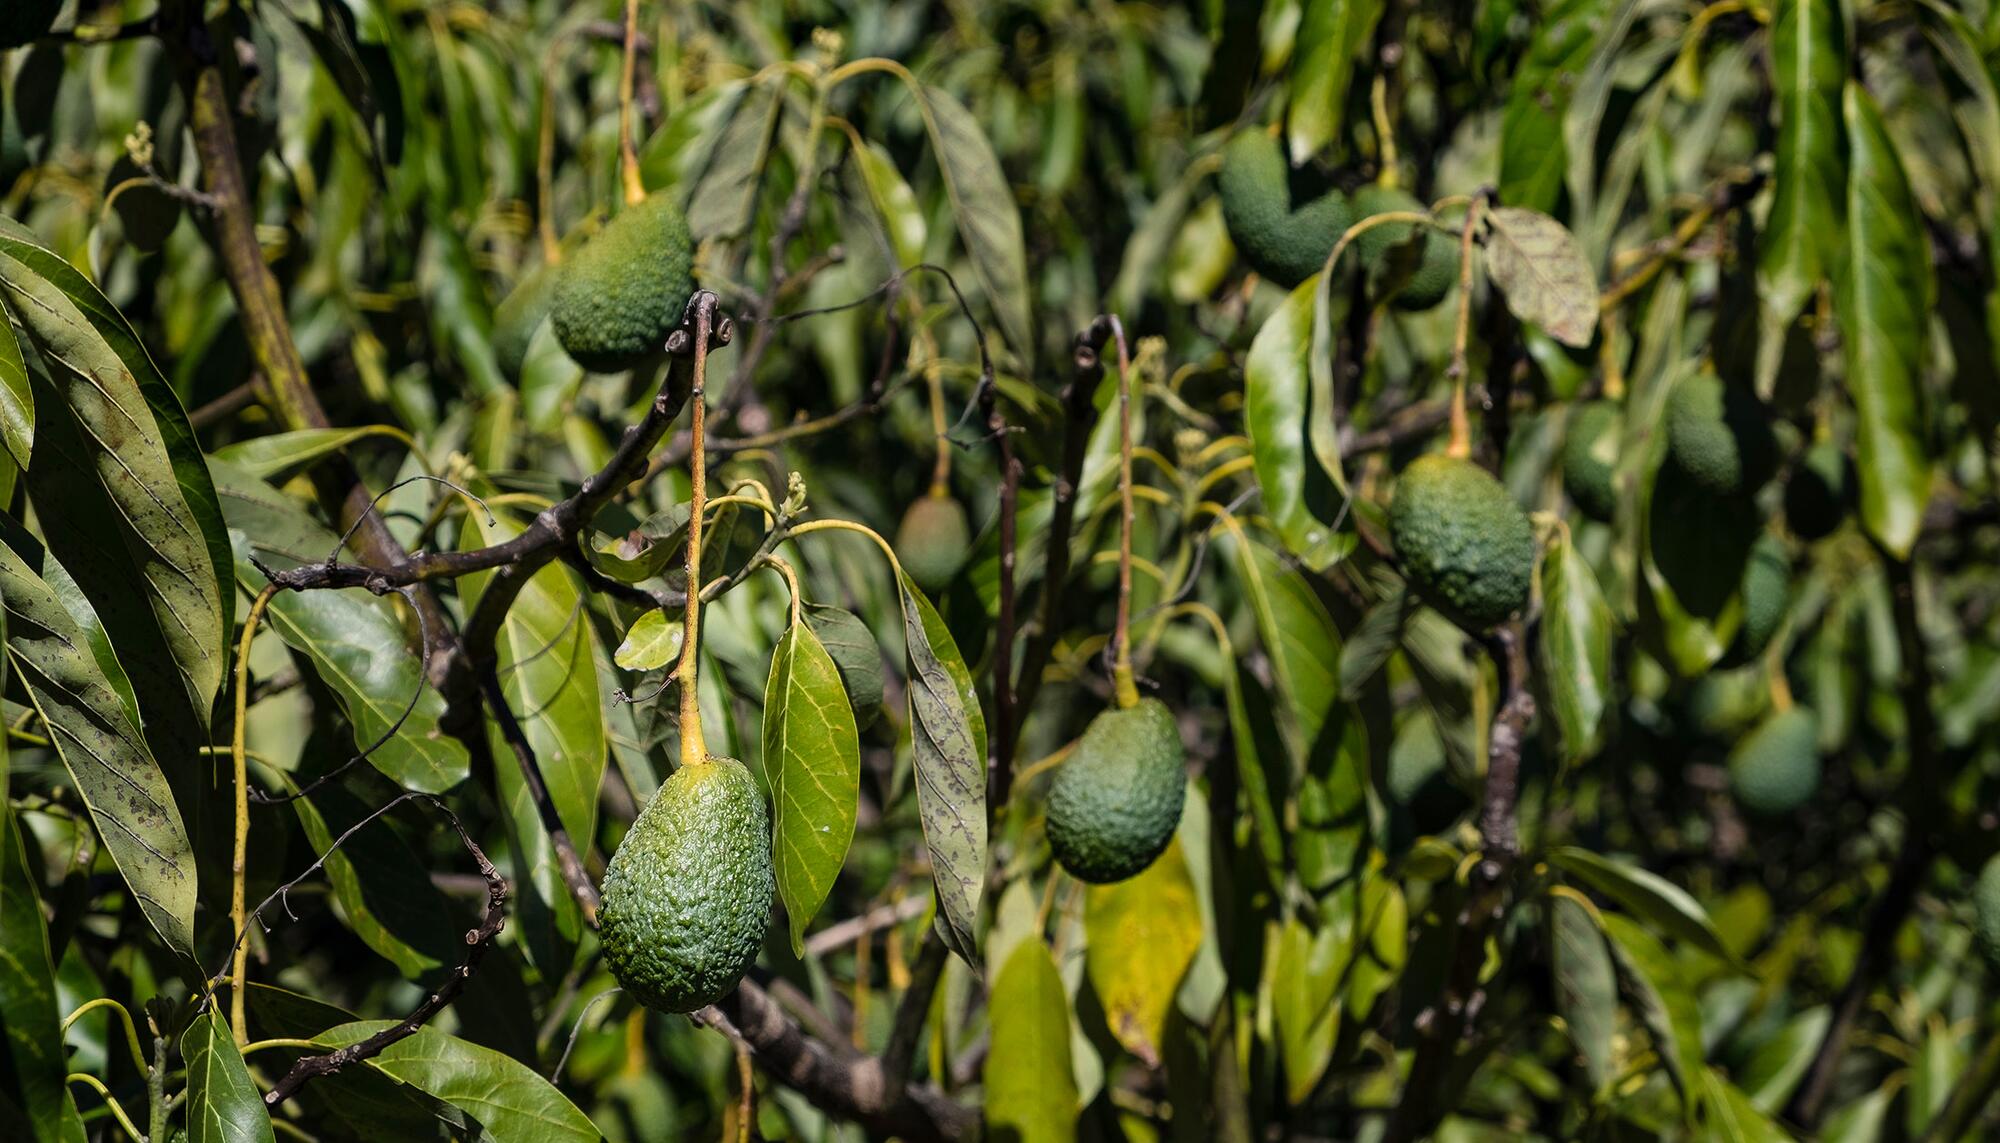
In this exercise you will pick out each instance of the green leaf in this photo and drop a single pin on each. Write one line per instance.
(355, 642)
(30, 1040)
(651, 642)
(1732, 1117)
(854, 650)
(1586, 988)
(1646, 893)
(1371, 644)
(902, 217)
(114, 772)
(1800, 244)
(379, 887)
(1299, 636)
(1575, 647)
(989, 223)
(1322, 68)
(1030, 1088)
(1304, 500)
(948, 749)
(723, 198)
(1533, 155)
(266, 457)
(17, 399)
(1884, 303)
(1305, 972)
(1779, 1063)
(1663, 1000)
(1142, 935)
(812, 757)
(508, 1098)
(223, 1105)
(1257, 748)
(1542, 273)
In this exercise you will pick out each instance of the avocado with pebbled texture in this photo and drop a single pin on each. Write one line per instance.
(687, 895)
(1720, 435)
(519, 315)
(1767, 593)
(1438, 267)
(1590, 459)
(1285, 245)
(932, 541)
(1114, 804)
(1775, 768)
(1464, 542)
(1819, 492)
(616, 299)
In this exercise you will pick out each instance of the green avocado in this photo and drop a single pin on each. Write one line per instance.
(1986, 910)
(1114, 804)
(1420, 796)
(1819, 492)
(688, 893)
(933, 540)
(1775, 768)
(1590, 458)
(1720, 435)
(1464, 542)
(24, 20)
(617, 298)
(520, 314)
(1438, 269)
(1767, 592)
(1285, 245)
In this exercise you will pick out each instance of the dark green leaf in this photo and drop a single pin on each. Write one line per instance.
(1585, 986)
(31, 1045)
(1663, 1000)
(1800, 244)
(1330, 34)
(988, 221)
(948, 745)
(508, 1098)
(1575, 648)
(223, 1105)
(17, 398)
(1646, 893)
(1302, 498)
(1533, 156)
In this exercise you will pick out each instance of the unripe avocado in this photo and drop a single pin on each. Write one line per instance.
(1775, 769)
(618, 297)
(520, 314)
(1285, 245)
(1818, 492)
(1419, 792)
(932, 541)
(24, 20)
(1720, 435)
(1465, 543)
(1438, 268)
(1114, 804)
(688, 894)
(1986, 910)
(1767, 592)
(1590, 459)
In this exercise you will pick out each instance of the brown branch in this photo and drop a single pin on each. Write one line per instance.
(249, 393)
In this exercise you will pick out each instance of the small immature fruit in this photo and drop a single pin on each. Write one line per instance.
(1720, 435)
(933, 540)
(519, 315)
(1285, 245)
(1590, 459)
(1775, 769)
(688, 894)
(1986, 910)
(1466, 544)
(618, 297)
(1438, 269)
(24, 20)
(1767, 593)
(1114, 804)
(1818, 492)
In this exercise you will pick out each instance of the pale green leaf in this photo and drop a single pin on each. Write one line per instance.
(1030, 1086)
(812, 757)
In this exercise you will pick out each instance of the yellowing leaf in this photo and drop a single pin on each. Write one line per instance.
(1538, 265)
(1143, 934)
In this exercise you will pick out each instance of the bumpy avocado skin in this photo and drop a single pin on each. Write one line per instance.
(932, 541)
(1114, 804)
(1463, 540)
(1590, 459)
(1775, 769)
(1720, 436)
(688, 894)
(519, 315)
(1285, 245)
(1818, 492)
(1767, 592)
(618, 297)
(1432, 279)
(1986, 910)
(24, 20)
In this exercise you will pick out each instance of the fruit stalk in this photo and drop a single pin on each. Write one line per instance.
(1460, 444)
(694, 751)
(1121, 635)
(628, 155)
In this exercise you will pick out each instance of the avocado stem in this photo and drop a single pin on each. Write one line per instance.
(628, 154)
(545, 162)
(1389, 177)
(1460, 444)
(1121, 635)
(941, 469)
(694, 750)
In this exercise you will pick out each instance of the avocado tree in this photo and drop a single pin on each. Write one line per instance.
(1321, 569)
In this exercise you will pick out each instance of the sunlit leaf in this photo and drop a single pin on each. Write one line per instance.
(1143, 933)
(1800, 244)
(812, 757)
(1576, 647)
(1666, 905)
(653, 641)
(1030, 1089)
(1304, 501)
(508, 1098)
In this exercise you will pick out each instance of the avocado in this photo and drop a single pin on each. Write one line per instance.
(1590, 458)
(1720, 435)
(1421, 799)
(1464, 542)
(1819, 492)
(1114, 803)
(616, 299)
(933, 540)
(520, 314)
(1437, 268)
(1285, 245)
(1767, 592)
(22, 21)
(1986, 910)
(1775, 768)
(688, 893)
(1700, 542)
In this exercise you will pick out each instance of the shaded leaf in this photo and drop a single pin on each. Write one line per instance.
(1369, 645)
(1800, 244)
(1648, 894)
(721, 201)
(812, 758)
(989, 223)
(1542, 272)
(1586, 988)
(853, 649)
(1533, 155)
(1663, 1000)
(223, 1105)
(1299, 636)
(508, 1098)
(269, 456)
(31, 1085)
(1031, 1092)
(1575, 647)
(1731, 1116)
(948, 749)
(902, 218)
(1305, 972)
(1143, 933)
(1330, 34)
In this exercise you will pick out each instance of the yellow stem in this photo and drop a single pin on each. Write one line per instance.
(860, 529)
(1385, 133)
(240, 771)
(265, 1045)
(1049, 763)
(545, 161)
(628, 153)
(117, 1112)
(131, 1030)
(1460, 444)
(1121, 635)
(694, 750)
(941, 470)
(784, 568)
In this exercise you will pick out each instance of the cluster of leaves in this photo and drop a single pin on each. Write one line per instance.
(1497, 888)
